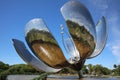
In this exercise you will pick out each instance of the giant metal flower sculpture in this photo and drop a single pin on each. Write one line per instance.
(83, 41)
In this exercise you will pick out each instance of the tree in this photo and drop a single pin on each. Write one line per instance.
(100, 70)
(85, 70)
(115, 66)
(117, 70)
(3, 66)
(106, 71)
(17, 69)
(90, 68)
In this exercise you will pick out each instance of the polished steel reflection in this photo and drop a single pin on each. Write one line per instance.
(81, 27)
(73, 55)
(101, 31)
(83, 40)
(43, 44)
(30, 59)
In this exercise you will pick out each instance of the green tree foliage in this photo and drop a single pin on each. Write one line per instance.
(116, 70)
(39, 35)
(27, 69)
(22, 69)
(100, 70)
(90, 68)
(3, 66)
(115, 66)
(17, 69)
(96, 70)
(85, 70)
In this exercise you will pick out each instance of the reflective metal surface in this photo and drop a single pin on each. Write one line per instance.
(73, 55)
(43, 44)
(29, 58)
(82, 41)
(101, 30)
(81, 27)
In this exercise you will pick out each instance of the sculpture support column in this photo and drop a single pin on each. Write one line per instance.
(80, 74)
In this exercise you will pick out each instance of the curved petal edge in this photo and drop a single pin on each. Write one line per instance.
(29, 58)
(101, 31)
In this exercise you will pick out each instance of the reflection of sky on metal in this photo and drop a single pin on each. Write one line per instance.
(36, 23)
(75, 11)
(72, 52)
(101, 31)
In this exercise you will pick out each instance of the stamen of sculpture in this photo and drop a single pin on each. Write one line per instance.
(70, 47)
(83, 41)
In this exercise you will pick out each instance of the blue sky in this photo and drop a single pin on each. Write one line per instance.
(14, 14)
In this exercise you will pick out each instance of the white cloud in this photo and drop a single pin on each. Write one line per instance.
(114, 21)
(101, 4)
(109, 9)
(99, 7)
(115, 49)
